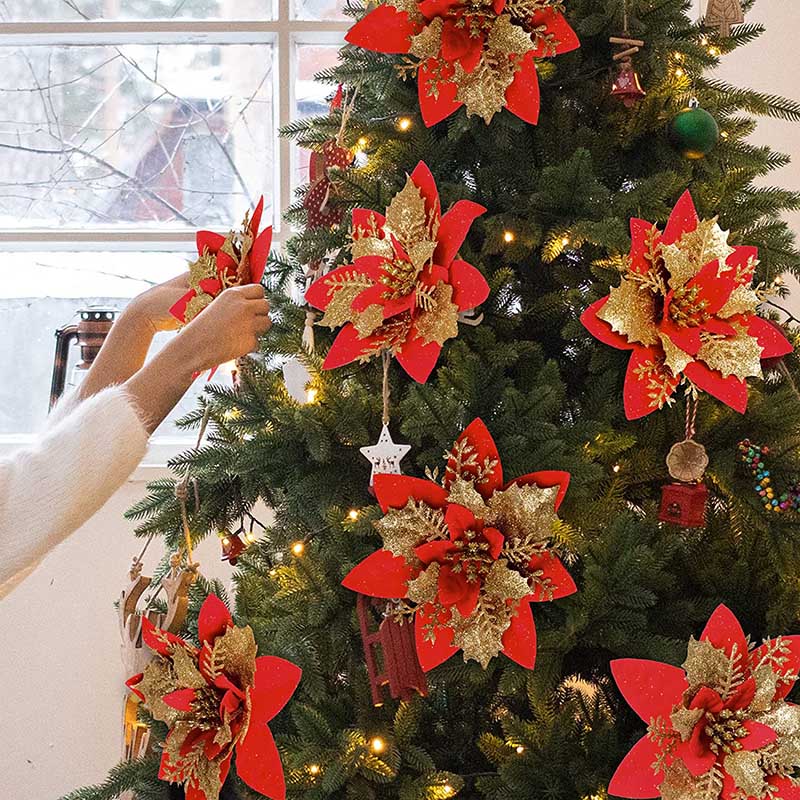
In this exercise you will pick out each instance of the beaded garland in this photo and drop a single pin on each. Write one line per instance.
(754, 458)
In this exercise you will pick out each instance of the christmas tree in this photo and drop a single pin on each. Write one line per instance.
(520, 120)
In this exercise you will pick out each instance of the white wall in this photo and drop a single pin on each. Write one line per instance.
(60, 672)
(60, 669)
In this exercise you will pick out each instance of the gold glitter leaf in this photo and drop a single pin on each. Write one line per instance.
(678, 783)
(159, 679)
(480, 635)
(675, 359)
(631, 311)
(186, 673)
(235, 651)
(705, 665)
(424, 587)
(368, 321)
(684, 721)
(766, 684)
(524, 513)
(464, 493)
(402, 529)
(686, 257)
(739, 356)
(745, 769)
(345, 288)
(743, 300)
(505, 583)
(483, 91)
(427, 43)
(406, 216)
(204, 267)
(439, 323)
(372, 246)
(420, 253)
(409, 6)
(200, 301)
(507, 39)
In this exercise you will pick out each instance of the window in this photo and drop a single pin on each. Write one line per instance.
(127, 125)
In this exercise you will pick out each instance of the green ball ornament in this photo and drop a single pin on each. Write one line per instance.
(694, 132)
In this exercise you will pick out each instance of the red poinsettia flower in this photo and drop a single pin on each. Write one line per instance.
(233, 260)
(686, 310)
(478, 54)
(707, 726)
(406, 287)
(216, 699)
(468, 557)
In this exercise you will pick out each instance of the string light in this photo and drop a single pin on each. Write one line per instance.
(565, 241)
(226, 541)
(363, 142)
(298, 548)
(404, 124)
(353, 514)
(250, 536)
(449, 791)
(704, 41)
(311, 395)
(616, 467)
(520, 749)
(314, 769)
(509, 236)
(724, 134)
(679, 73)
(377, 745)
(714, 51)
(273, 572)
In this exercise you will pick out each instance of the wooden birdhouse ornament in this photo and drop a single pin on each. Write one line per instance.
(721, 14)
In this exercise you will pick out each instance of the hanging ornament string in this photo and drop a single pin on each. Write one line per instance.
(387, 358)
(182, 492)
(691, 417)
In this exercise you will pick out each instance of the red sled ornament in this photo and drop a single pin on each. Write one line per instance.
(468, 557)
(478, 55)
(719, 726)
(216, 699)
(406, 288)
(686, 310)
(224, 261)
(389, 643)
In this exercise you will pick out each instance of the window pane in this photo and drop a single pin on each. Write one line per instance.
(77, 10)
(43, 293)
(311, 97)
(319, 9)
(161, 136)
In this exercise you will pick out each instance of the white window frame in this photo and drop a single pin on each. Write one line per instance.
(283, 33)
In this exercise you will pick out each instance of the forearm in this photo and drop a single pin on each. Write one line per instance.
(122, 355)
(159, 385)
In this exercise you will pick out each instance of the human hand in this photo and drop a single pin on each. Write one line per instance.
(151, 308)
(227, 328)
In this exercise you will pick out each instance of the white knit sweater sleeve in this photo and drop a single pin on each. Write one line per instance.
(52, 487)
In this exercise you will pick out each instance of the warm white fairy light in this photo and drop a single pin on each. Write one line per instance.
(298, 548)
(377, 745)
(404, 124)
